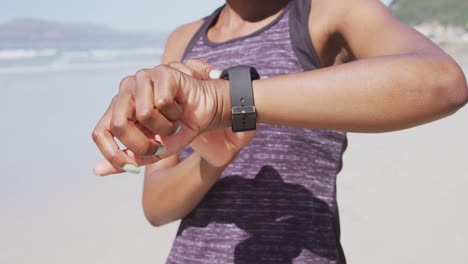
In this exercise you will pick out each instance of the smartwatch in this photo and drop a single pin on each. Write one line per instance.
(244, 116)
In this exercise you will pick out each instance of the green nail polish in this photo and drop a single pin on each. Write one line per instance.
(131, 168)
(177, 130)
(160, 150)
(94, 172)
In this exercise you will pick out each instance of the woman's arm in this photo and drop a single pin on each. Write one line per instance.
(172, 192)
(399, 78)
(373, 95)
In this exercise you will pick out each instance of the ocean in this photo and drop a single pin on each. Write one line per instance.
(43, 60)
(402, 194)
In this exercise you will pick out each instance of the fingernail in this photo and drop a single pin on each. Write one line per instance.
(177, 130)
(131, 168)
(94, 172)
(160, 150)
(215, 74)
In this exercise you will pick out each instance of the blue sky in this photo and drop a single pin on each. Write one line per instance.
(139, 15)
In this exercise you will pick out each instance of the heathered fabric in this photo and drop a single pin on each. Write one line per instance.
(276, 202)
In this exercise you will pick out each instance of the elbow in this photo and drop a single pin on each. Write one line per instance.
(154, 214)
(155, 223)
(452, 89)
(154, 220)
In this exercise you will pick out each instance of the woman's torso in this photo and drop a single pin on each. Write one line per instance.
(276, 202)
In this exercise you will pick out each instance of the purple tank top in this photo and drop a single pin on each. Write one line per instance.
(276, 202)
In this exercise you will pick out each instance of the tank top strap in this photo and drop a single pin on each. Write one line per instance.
(300, 36)
(204, 27)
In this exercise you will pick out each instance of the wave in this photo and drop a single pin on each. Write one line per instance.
(45, 60)
(26, 54)
(76, 67)
(11, 55)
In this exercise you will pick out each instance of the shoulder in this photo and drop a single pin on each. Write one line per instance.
(339, 15)
(178, 41)
(334, 24)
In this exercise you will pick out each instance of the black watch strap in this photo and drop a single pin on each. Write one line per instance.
(244, 116)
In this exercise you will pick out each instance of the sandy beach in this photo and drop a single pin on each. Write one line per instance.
(402, 195)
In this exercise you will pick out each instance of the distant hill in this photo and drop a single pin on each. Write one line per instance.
(445, 12)
(37, 33)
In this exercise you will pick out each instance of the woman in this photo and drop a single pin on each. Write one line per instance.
(269, 195)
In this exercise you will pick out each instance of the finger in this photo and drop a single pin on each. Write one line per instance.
(177, 142)
(112, 153)
(104, 167)
(172, 85)
(165, 103)
(123, 128)
(106, 143)
(202, 70)
(181, 67)
(166, 84)
(146, 113)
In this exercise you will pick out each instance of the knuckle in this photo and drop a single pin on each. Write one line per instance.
(129, 80)
(96, 135)
(114, 99)
(186, 69)
(142, 74)
(161, 70)
(144, 113)
(163, 102)
(117, 126)
(173, 63)
(125, 83)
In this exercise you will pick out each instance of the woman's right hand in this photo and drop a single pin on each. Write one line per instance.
(218, 147)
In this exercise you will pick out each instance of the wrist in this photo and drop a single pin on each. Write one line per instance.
(258, 97)
(221, 92)
(214, 167)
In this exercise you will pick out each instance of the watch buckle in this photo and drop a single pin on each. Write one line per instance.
(240, 110)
